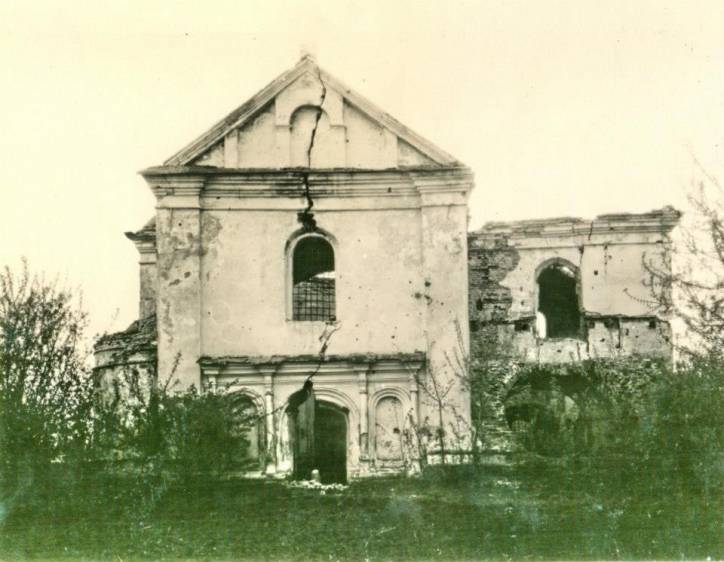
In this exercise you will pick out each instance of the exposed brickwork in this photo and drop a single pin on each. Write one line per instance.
(490, 259)
(505, 259)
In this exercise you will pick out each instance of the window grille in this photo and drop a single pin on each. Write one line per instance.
(313, 291)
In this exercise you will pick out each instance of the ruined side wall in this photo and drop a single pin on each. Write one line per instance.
(126, 360)
(613, 288)
(117, 372)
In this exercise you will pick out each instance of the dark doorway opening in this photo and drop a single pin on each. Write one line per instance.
(558, 301)
(318, 437)
(330, 442)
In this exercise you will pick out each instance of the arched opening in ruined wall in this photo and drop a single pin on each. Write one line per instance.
(555, 410)
(559, 310)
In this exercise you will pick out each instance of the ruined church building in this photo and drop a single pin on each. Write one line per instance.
(309, 236)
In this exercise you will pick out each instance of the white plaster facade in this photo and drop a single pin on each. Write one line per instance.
(216, 261)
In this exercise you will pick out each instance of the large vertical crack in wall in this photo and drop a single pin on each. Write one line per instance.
(306, 217)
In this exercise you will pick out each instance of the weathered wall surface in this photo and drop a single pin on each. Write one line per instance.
(224, 267)
(179, 293)
(445, 270)
(278, 136)
(247, 284)
(147, 289)
(225, 285)
(614, 295)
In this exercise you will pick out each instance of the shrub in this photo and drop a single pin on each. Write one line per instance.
(680, 434)
(627, 426)
(162, 438)
(45, 382)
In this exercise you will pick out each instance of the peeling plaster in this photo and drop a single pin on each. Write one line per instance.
(210, 230)
(618, 319)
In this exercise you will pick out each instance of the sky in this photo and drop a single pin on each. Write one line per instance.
(560, 108)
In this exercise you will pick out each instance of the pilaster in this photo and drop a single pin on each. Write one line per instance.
(363, 398)
(269, 418)
(443, 215)
(178, 301)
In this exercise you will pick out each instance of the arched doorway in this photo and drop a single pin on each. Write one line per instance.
(317, 437)
(330, 442)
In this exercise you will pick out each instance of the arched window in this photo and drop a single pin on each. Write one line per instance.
(313, 279)
(558, 301)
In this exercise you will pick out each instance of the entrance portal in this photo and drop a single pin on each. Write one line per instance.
(330, 442)
(318, 437)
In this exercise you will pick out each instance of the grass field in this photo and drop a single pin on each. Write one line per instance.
(489, 513)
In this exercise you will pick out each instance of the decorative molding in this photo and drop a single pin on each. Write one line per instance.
(415, 357)
(394, 392)
(256, 398)
(339, 398)
(208, 182)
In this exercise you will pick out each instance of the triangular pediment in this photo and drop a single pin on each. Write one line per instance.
(282, 127)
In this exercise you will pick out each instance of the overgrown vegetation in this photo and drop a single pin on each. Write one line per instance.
(64, 431)
(156, 438)
(45, 383)
(626, 427)
(618, 458)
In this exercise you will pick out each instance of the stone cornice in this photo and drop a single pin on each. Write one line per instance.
(184, 185)
(458, 179)
(320, 185)
(206, 181)
(145, 243)
(294, 365)
(344, 174)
